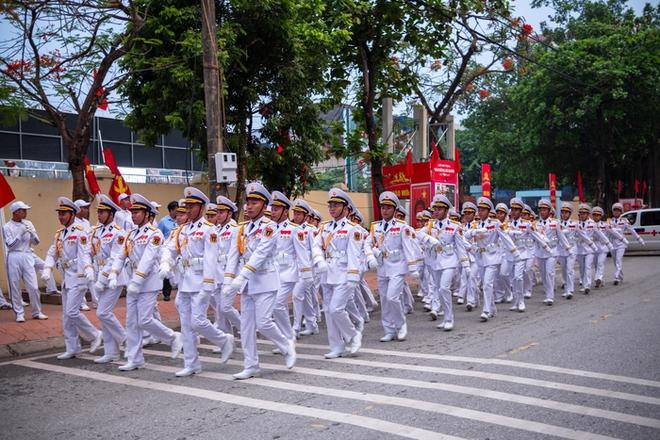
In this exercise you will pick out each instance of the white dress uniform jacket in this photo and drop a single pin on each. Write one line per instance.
(141, 257)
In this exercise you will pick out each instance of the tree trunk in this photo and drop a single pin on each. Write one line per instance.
(241, 172)
(77, 152)
(654, 177)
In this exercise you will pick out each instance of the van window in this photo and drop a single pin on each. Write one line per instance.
(631, 217)
(650, 218)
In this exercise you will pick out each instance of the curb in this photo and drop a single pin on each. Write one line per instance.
(34, 347)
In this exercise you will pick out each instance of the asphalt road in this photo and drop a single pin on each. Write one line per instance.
(588, 368)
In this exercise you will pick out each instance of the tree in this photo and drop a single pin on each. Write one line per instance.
(62, 56)
(274, 57)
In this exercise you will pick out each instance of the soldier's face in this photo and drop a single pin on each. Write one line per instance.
(212, 217)
(65, 217)
(280, 213)
(422, 223)
(139, 216)
(312, 221)
(254, 208)
(583, 216)
(616, 213)
(387, 211)
(501, 215)
(194, 210)
(597, 217)
(336, 210)
(298, 217)
(468, 216)
(181, 218)
(565, 215)
(439, 212)
(483, 213)
(515, 213)
(223, 216)
(104, 216)
(544, 212)
(400, 216)
(125, 204)
(19, 214)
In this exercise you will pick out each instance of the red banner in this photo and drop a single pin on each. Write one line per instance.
(92, 183)
(579, 185)
(420, 199)
(553, 189)
(6, 193)
(118, 186)
(485, 180)
(396, 180)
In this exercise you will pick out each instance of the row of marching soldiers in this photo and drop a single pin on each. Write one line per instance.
(284, 252)
(488, 254)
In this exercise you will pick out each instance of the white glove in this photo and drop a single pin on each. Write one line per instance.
(377, 252)
(235, 286)
(47, 274)
(132, 288)
(372, 263)
(31, 230)
(112, 281)
(625, 241)
(164, 271)
(99, 285)
(322, 266)
(415, 275)
(89, 274)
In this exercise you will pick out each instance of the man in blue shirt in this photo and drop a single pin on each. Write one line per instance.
(166, 225)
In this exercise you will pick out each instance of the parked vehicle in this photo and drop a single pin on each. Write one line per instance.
(647, 224)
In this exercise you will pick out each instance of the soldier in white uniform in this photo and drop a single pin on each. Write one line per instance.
(547, 255)
(251, 270)
(604, 247)
(341, 243)
(449, 251)
(529, 277)
(19, 234)
(503, 287)
(197, 244)
(82, 218)
(489, 236)
(567, 257)
(623, 225)
(229, 318)
(293, 261)
(303, 292)
(393, 246)
(468, 290)
(585, 252)
(123, 217)
(364, 297)
(141, 255)
(407, 298)
(71, 254)
(107, 244)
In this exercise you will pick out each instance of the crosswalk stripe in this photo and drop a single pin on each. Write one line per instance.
(380, 399)
(471, 391)
(481, 375)
(487, 361)
(233, 399)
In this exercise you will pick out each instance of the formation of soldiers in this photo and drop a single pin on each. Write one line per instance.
(283, 252)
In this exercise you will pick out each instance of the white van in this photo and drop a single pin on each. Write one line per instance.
(647, 224)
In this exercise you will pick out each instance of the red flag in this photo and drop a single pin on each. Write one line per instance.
(579, 185)
(101, 99)
(109, 160)
(6, 194)
(91, 178)
(636, 186)
(118, 186)
(619, 187)
(409, 164)
(435, 156)
(553, 188)
(485, 180)
(457, 158)
(644, 188)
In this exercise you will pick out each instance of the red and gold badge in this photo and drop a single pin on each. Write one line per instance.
(156, 240)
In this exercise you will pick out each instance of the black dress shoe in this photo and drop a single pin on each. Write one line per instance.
(166, 298)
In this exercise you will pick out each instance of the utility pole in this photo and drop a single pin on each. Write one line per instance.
(212, 92)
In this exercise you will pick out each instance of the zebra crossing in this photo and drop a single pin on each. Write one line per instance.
(398, 394)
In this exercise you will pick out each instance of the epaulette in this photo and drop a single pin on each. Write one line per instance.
(95, 227)
(265, 221)
(352, 223)
(78, 227)
(60, 230)
(375, 222)
(244, 223)
(325, 222)
(116, 226)
(455, 222)
(208, 223)
(401, 221)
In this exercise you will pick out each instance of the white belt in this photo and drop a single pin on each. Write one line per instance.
(284, 259)
(391, 254)
(68, 264)
(191, 262)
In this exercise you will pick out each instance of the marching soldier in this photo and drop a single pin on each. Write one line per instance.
(449, 251)
(228, 318)
(71, 254)
(19, 234)
(585, 252)
(489, 237)
(141, 255)
(197, 244)
(107, 243)
(364, 298)
(407, 298)
(547, 255)
(529, 277)
(251, 271)
(623, 225)
(394, 252)
(503, 288)
(341, 242)
(468, 290)
(567, 257)
(604, 246)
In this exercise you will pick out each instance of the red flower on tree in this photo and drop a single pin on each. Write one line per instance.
(527, 29)
(483, 94)
(507, 63)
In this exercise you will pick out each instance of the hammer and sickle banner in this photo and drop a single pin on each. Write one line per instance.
(485, 180)
(553, 190)
(119, 185)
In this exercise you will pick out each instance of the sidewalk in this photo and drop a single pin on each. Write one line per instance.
(33, 336)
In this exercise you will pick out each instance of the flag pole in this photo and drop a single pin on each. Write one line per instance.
(101, 145)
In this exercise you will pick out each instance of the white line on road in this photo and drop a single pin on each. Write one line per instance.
(471, 391)
(380, 399)
(232, 399)
(610, 394)
(488, 361)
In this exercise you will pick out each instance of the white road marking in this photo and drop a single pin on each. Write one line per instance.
(232, 399)
(479, 374)
(380, 399)
(488, 361)
(471, 391)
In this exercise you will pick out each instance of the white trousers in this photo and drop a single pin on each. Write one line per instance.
(257, 316)
(392, 311)
(20, 266)
(503, 282)
(600, 265)
(617, 256)
(281, 309)
(369, 298)
(567, 264)
(472, 283)
(443, 280)
(75, 323)
(547, 268)
(228, 316)
(528, 276)
(303, 305)
(488, 275)
(586, 262)
(340, 328)
(193, 311)
(140, 318)
(113, 332)
(518, 282)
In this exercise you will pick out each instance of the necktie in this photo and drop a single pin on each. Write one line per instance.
(251, 227)
(64, 233)
(386, 225)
